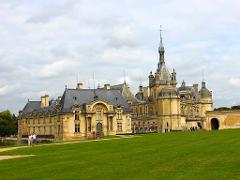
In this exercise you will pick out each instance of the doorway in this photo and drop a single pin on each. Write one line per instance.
(215, 124)
(99, 130)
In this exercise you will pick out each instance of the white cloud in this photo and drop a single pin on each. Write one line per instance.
(8, 89)
(235, 82)
(44, 44)
(122, 36)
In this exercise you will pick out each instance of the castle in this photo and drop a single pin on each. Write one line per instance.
(78, 114)
(89, 113)
(163, 107)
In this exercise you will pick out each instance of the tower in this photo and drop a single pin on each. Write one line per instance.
(161, 51)
(205, 100)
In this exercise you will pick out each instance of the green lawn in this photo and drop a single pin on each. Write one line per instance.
(182, 155)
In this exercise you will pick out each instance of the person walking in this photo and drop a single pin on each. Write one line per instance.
(34, 137)
(30, 140)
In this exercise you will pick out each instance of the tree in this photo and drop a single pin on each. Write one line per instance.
(235, 107)
(222, 109)
(8, 123)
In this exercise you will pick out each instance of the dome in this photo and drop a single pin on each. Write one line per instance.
(205, 93)
(168, 91)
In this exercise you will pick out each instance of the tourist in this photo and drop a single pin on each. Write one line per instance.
(30, 140)
(34, 137)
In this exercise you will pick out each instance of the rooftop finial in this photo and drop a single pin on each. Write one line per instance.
(124, 76)
(161, 43)
(203, 76)
(161, 50)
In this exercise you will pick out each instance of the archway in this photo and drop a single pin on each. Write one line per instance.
(215, 124)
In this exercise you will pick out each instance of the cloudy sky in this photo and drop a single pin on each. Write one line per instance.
(45, 45)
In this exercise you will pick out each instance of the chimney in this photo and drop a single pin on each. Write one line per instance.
(145, 92)
(44, 101)
(107, 86)
(79, 86)
(195, 87)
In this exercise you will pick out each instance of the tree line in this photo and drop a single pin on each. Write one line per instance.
(227, 108)
(8, 124)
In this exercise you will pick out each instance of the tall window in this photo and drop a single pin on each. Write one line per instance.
(76, 115)
(111, 124)
(77, 127)
(119, 126)
(58, 129)
(89, 124)
(50, 130)
(119, 114)
(99, 115)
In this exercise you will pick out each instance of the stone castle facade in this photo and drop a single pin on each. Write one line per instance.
(80, 113)
(163, 107)
(159, 107)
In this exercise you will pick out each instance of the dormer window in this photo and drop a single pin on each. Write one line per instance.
(119, 114)
(77, 114)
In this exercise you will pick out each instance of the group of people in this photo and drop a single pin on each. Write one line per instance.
(32, 139)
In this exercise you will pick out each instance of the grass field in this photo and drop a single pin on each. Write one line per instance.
(183, 155)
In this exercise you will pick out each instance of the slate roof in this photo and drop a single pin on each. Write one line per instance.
(164, 74)
(79, 97)
(118, 87)
(31, 106)
(73, 97)
(35, 106)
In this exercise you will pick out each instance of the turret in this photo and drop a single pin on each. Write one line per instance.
(206, 100)
(174, 78)
(204, 92)
(161, 52)
(151, 80)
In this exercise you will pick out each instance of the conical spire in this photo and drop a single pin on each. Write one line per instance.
(161, 50)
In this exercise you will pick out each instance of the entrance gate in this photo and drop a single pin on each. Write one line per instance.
(215, 124)
(99, 130)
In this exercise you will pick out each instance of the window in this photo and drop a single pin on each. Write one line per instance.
(89, 124)
(119, 126)
(76, 115)
(77, 128)
(50, 129)
(99, 115)
(119, 114)
(58, 129)
(111, 124)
